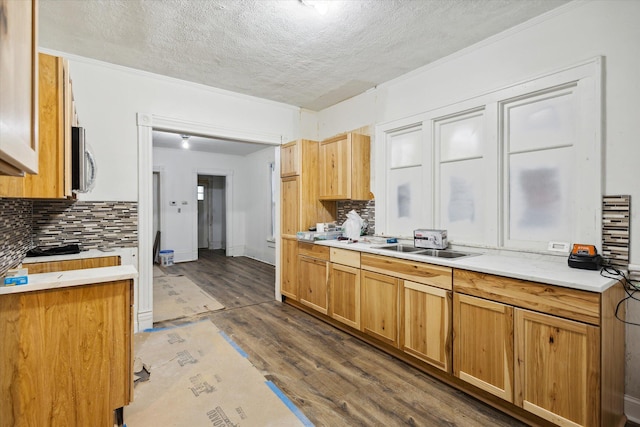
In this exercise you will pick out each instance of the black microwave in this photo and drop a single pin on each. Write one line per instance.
(83, 166)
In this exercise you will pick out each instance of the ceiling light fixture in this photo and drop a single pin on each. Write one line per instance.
(320, 6)
(185, 142)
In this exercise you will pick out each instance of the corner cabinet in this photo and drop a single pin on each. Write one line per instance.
(55, 118)
(18, 86)
(345, 168)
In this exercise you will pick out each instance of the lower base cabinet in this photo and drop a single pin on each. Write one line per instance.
(380, 314)
(558, 364)
(66, 355)
(483, 344)
(427, 324)
(312, 280)
(345, 294)
(289, 271)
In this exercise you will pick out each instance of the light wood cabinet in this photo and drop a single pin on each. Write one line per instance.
(55, 118)
(483, 345)
(344, 286)
(290, 206)
(18, 88)
(557, 369)
(66, 355)
(290, 159)
(427, 324)
(379, 305)
(345, 168)
(73, 264)
(313, 276)
(289, 270)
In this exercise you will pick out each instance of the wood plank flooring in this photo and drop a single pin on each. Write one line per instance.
(333, 378)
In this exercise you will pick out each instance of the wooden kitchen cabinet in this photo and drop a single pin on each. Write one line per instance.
(345, 168)
(18, 89)
(379, 306)
(344, 286)
(290, 206)
(55, 118)
(73, 264)
(66, 355)
(290, 158)
(483, 344)
(557, 369)
(313, 276)
(289, 270)
(427, 324)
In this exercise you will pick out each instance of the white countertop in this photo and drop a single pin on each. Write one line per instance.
(91, 253)
(63, 279)
(542, 269)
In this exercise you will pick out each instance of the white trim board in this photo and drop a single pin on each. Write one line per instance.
(632, 408)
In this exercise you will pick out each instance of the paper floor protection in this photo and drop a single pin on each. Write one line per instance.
(177, 296)
(199, 377)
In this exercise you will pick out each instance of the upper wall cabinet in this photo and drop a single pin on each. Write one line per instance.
(345, 168)
(290, 159)
(18, 86)
(55, 118)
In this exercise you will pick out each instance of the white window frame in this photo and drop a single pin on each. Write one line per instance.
(587, 225)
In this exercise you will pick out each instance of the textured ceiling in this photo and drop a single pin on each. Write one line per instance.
(278, 49)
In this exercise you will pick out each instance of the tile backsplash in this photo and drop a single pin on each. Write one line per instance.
(366, 209)
(15, 232)
(90, 224)
(28, 223)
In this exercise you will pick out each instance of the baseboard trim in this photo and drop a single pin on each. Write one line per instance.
(145, 320)
(632, 408)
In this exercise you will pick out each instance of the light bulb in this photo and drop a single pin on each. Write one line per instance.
(185, 142)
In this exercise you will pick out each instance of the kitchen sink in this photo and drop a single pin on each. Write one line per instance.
(401, 248)
(437, 253)
(444, 253)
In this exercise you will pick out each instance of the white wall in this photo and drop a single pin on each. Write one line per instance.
(570, 35)
(108, 98)
(257, 198)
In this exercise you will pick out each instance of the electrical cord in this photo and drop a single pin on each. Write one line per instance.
(630, 287)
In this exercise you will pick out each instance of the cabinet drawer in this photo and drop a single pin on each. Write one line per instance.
(345, 257)
(573, 304)
(313, 251)
(420, 272)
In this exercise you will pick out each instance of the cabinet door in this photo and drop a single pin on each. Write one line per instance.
(289, 163)
(289, 270)
(18, 86)
(335, 164)
(312, 284)
(345, 294)
(290, 206)
(427, 324)
(557, 375)
(380, 306)
(483, 344)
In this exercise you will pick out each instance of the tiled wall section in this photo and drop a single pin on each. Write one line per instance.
(15, 232)
(90, 224)
(366, 210)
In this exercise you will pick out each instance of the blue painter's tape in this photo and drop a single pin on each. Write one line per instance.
(293, 408)
(234, 345)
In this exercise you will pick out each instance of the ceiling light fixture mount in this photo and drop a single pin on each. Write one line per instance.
(185, 141)
(320, 6)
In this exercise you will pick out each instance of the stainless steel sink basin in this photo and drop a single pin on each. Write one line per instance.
(444, 253)
(401, 248)
(437, 253)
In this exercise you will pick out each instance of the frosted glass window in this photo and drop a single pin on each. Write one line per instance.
(405, 148)
(542, 122)
(200, 192)
(404, 200)
(462, 200)
(461, 137)
(540, 196)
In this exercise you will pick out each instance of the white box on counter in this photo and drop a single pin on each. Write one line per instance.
(431, 239)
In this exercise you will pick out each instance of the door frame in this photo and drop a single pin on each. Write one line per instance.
(146, 123)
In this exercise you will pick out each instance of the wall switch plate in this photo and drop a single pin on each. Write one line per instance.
(558, 246)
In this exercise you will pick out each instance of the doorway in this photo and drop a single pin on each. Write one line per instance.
(212, 212)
